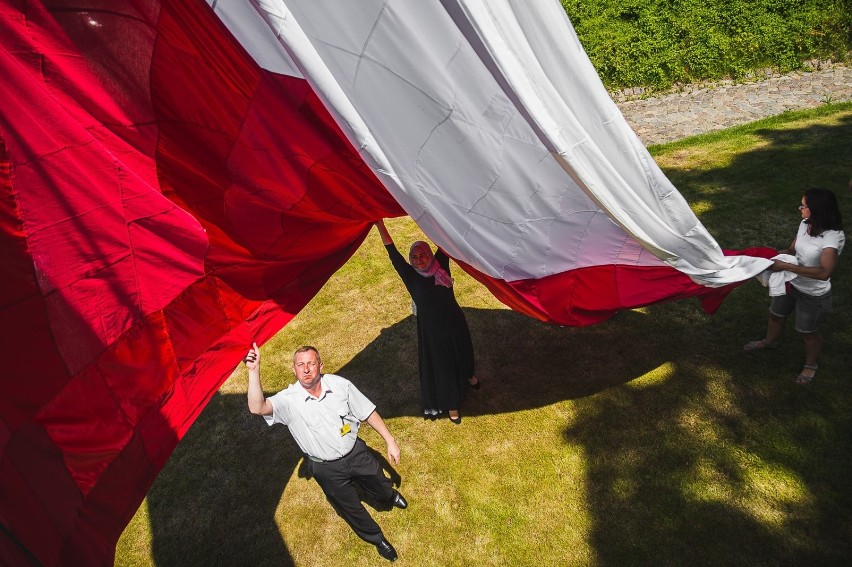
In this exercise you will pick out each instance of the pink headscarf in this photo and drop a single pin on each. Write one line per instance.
(433, 268)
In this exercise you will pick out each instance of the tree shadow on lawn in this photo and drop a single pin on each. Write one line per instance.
(513, 353)
(215, 500)
(771, 179)
(759, 474)
(722, 465)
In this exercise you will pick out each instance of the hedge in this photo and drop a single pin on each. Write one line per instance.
(656, 44)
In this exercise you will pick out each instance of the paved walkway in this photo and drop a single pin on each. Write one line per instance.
(697, 110)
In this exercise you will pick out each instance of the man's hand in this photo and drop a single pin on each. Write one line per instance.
(253, 358)
(393, 452)
(257, 402)
(376, 422)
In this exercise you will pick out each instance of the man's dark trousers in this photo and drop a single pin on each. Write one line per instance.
(336, 480)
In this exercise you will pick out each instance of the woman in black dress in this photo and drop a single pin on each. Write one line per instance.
(444, 348)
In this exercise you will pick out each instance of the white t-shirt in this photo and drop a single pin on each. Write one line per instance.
(808, 252)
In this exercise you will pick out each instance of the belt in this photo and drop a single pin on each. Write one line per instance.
(318, 460)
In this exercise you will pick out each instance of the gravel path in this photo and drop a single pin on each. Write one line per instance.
(693, 111)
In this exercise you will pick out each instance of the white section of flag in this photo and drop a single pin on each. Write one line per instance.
(489, 125)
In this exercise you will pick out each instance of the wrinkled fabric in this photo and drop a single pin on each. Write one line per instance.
(168, 195)
(776, 281)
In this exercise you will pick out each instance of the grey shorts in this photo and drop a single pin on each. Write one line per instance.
(811, 310)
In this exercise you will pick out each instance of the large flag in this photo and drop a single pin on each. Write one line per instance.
(488, 124)
(179, 179)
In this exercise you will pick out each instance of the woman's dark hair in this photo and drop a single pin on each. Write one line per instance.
(825, 214)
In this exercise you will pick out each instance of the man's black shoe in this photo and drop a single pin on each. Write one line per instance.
(399, 501)
(386, 550)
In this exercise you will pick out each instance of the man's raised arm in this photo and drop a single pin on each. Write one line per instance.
(257, 402)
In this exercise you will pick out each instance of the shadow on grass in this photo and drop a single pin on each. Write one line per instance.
(680, 471)
(575, 364)
(214, 503)
(730, 463)
(724, 461)
(770, 178)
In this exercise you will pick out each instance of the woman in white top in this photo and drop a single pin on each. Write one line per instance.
(817, 246)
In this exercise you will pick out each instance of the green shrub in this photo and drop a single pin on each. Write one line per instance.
(658, 43)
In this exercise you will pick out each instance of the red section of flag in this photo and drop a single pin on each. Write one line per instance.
(590, 295)
(164, 203)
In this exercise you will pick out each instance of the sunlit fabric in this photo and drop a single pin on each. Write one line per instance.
(169, 195)
(490, 127)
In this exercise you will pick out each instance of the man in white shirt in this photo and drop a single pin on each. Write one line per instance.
(323, 413)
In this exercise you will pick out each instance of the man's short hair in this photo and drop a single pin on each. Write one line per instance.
(306, 348)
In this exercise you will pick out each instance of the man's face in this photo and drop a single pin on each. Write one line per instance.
(308, 369)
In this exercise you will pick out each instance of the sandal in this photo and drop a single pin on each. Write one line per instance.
(752, 346)
(804, 379)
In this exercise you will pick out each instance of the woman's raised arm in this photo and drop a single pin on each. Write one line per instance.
(383, 232)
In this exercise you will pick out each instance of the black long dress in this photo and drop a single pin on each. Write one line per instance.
(444, 347)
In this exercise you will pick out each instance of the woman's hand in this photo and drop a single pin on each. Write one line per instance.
(383, 232)
(827, 263)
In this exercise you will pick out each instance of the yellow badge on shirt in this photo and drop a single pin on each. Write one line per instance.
(345, 429)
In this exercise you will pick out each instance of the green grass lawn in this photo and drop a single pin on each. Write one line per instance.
(649, 439)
